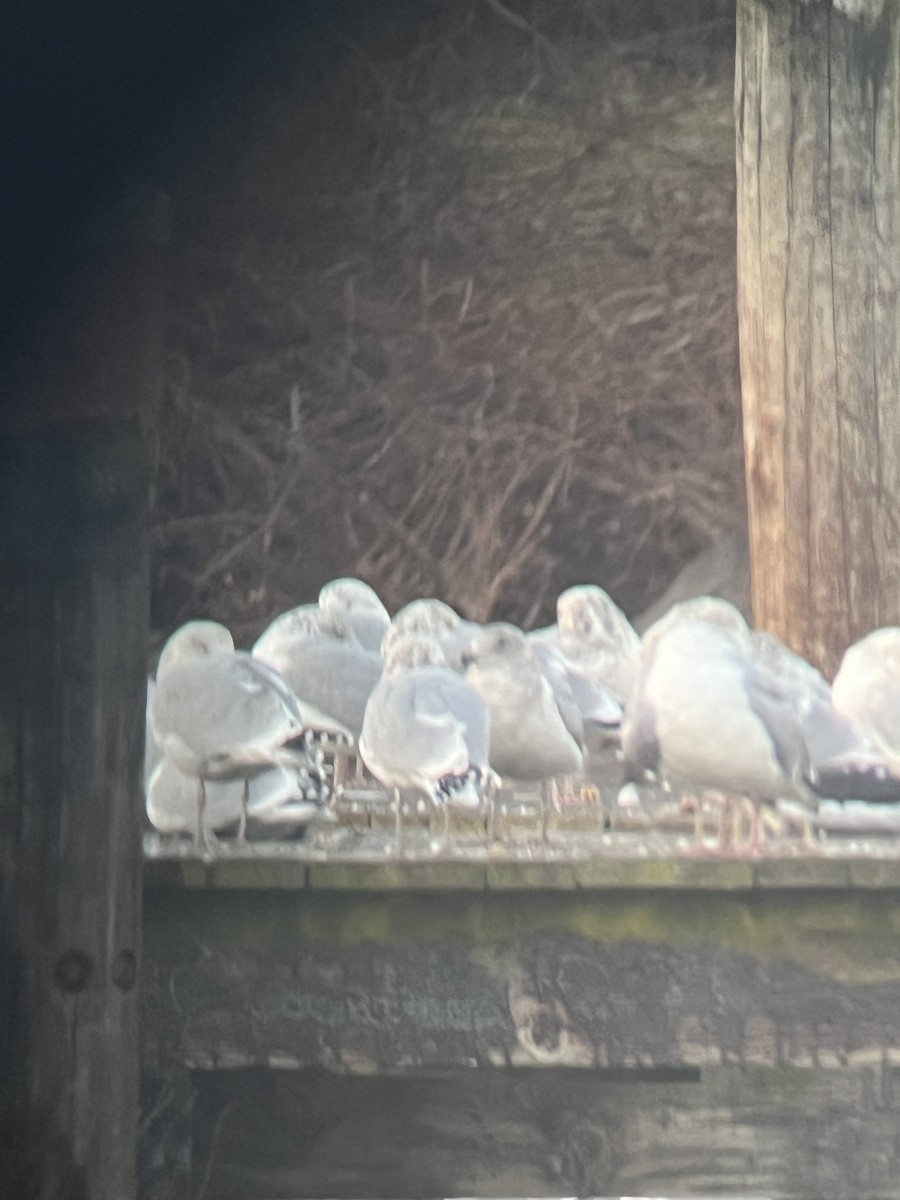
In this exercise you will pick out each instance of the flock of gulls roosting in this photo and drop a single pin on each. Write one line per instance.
(442, 711)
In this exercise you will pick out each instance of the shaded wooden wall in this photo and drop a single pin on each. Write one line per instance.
(600, 1026)
(73, 633)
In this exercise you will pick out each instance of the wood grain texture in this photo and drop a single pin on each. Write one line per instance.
(366, 982)
(523, 1039)
(73, 617)
(818, 158)
(74, 610)
(789, 1135)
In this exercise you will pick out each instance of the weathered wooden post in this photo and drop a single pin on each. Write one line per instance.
(73, 626)
(818, 184)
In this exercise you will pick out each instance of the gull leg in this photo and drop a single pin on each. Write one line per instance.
(490, 799)
(245, 804)
(784, 822)
(339, 773)
(499, 812)
(808, 837)
(699, 824)
(589, 793)
(359, 777)
(696, 803)
(757, 833)
(548, 794)
(731, 825)
(202, 840)
(398, 822)
(726, 831)
(736, 809)
(723, 834)
(566, 793)
(692, 802)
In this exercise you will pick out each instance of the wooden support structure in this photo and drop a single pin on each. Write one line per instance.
(818, 185)
(595, 1026)
(74, 611)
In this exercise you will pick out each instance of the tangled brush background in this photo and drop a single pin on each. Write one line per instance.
(453, 309)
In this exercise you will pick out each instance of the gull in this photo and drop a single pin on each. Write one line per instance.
(713, 610)
(304, 621)
(426, 728)
(563, 685)
(280, 796)
(595, 635)
(866, 690)
(435, 619)
(597, 649)
(218, 713)
(705, 715)
(152, 750)
(327, 667)
(529, 738)
(323, 662)
(585, 704)
(843, 761)
(359, 609)
(867, 687)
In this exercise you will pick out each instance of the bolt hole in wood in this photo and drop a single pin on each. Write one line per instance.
(74, 970)
(294, 1135)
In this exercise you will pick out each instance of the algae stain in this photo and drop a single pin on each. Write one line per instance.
(846, 936)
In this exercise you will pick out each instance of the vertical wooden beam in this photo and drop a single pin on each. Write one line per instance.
(818, 184)
(74, 611)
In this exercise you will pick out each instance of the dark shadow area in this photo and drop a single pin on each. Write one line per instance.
(453, 310)
(451, 285)
(482, 1133)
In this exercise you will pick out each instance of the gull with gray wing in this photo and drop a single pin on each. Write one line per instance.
(324, 664)
(529, 738)
(359, 610)
(426, 728)
(435, 619)
(704, 715)
(218, 713)
(596, 637)
(281, 798)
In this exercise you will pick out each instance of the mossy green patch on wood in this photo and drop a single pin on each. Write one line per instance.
(720, 875)
(843, 935)
(523, 874)
(435, 873)
(875, 872)
(256, 874)
(801, 872)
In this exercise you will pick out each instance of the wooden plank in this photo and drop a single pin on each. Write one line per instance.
(572, 861)
(73, 629)
(401, 980)
(72, 642)
(788, 1134)
(818, 156)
